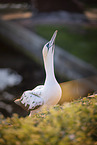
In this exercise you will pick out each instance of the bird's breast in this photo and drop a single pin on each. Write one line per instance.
(52, 94)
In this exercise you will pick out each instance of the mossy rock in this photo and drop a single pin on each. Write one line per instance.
(73, 123)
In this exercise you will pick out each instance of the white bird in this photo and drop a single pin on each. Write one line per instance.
(47, 94)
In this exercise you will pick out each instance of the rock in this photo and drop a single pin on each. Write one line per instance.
(8, 77)
(6, 107)
(7, 96)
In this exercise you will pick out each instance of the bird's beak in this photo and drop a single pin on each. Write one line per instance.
(52, 41)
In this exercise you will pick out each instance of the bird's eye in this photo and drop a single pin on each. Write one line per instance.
(47, 45)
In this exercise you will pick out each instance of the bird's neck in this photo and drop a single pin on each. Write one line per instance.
(49, 68)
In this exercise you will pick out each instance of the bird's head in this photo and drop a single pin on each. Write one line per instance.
(48, 48)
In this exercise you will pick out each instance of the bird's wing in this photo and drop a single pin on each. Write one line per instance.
(31, 100)
(38, 90)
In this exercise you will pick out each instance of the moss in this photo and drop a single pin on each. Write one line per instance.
(70, 124)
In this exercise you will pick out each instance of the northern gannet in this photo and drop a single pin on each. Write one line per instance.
(47, 94)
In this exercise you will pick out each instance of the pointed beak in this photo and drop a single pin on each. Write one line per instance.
(52, 41)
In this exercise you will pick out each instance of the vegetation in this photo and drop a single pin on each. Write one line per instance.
(71, 124)
(79, 41)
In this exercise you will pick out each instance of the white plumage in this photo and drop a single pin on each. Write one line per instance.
(47, 94)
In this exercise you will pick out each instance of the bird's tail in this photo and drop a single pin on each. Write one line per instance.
(17, 101)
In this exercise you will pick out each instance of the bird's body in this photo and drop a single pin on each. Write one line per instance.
(47, 94)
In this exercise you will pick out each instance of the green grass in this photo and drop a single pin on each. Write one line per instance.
(71, 124)
(79, 41)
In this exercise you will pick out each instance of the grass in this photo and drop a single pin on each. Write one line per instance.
(71, 124)
(79, 41)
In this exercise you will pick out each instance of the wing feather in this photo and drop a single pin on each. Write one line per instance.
(31, 100)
